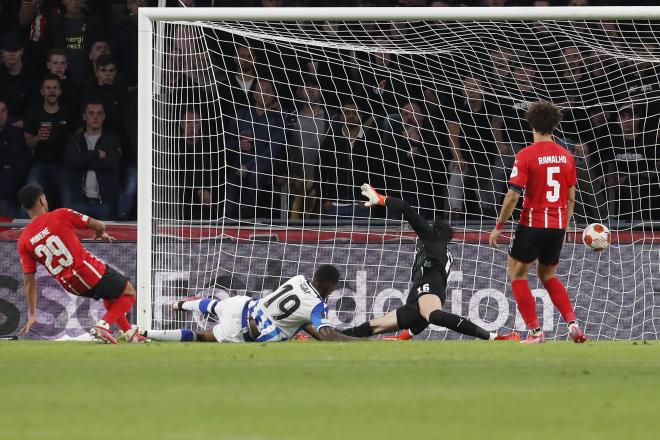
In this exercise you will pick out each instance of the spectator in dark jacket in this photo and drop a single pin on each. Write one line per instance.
(111, 91)
(16, 82)
(13, 164)
(92, 157)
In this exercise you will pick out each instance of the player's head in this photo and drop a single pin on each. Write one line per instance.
(32, 196)
(443, 229)
(544, 117)
(326, 278)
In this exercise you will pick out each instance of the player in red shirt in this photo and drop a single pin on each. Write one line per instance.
(50, 240)
(545, 172)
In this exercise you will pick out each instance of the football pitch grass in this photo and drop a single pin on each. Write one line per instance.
(298, 390)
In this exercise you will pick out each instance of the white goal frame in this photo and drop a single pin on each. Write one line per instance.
(148, 16)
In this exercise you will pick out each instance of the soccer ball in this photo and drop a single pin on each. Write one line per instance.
(596, 236)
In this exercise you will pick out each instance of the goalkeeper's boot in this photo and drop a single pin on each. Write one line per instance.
(134, 336)
(101, 332)
(176, 306)
(403, 336)
(577, 334)
(513, 336)
(534, 339)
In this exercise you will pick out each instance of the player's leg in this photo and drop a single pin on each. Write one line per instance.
(201, 305)
(182, 335)
(525, 249)
(384, 324)
(120, 296)
(430, 307)
(546, 271)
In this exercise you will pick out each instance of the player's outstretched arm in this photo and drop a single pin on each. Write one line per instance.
(328, 333)
(30, 289)
(508, 205)
(99, 227)
(417, 222)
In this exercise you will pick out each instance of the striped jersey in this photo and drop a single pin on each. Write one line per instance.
(51, 241)
(286, 311)
(544, 171)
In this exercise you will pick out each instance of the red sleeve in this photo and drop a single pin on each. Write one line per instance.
(75, 219)
(519, 171)
(28, 260)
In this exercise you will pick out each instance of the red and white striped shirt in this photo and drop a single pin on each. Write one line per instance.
(51, 241)
(545, 171)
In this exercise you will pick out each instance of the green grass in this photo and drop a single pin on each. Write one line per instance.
(317, 391)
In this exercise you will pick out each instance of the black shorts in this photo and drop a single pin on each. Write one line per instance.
(110, 286)
(541, 244)
(430, 284)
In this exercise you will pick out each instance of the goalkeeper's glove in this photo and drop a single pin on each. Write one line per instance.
(372, 195)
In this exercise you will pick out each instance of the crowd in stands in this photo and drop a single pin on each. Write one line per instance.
(297, 136)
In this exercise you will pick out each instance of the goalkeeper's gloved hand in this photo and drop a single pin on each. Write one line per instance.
(372, 195)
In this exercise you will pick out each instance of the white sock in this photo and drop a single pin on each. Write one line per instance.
(492, 336)
(204, 305)
(183, 335)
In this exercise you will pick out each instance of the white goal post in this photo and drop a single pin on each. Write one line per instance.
(152, 80)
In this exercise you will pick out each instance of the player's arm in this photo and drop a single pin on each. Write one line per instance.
(328, 333)
(416, 221)
(570, 204)
(508, 205)
(30, 289)
(99, 227)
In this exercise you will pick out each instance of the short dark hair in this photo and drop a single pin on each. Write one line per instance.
(326, 274)
(49, 77)
(544, 117)
(105, 59)
(93, 101)
(53, 52)
(29, 195)
(443, 229)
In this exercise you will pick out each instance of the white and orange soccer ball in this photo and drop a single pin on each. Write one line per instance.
(596, 236)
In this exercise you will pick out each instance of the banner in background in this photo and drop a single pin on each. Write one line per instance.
(616, 293)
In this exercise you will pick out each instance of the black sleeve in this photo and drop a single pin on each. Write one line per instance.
(418, 223)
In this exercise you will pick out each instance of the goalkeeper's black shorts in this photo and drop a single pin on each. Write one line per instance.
(432, 283)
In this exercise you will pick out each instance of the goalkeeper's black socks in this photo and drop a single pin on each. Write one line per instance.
(458, 324)
(363, 330)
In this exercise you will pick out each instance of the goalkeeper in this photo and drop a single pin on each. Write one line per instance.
(430, 272)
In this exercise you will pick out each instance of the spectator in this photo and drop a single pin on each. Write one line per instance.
(47, 127)
(472, 142)
(35, 15)
(349, 157)
(57, 64)
(198, 165)
(92, 157)
(251, 172)
(13, 164)
(591, 199)
(307, 127)
(16, 82)
(97, 49)
(241, 81)
(406, 156)
(112, 93)
(125, 43)
(631, 169)
(74, 32)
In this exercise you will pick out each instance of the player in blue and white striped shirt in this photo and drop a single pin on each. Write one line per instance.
(296, 305)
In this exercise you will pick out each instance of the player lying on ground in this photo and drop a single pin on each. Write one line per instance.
(545, 171)
(429, 275)
(50, 240)
(296, 305)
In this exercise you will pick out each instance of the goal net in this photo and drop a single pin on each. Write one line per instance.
(257, 133)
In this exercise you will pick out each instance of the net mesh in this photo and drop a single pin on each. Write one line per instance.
(265, 130)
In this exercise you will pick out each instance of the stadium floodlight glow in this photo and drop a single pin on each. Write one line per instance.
(431, 86)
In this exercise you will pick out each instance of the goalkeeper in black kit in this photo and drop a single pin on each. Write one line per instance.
(429, 274)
